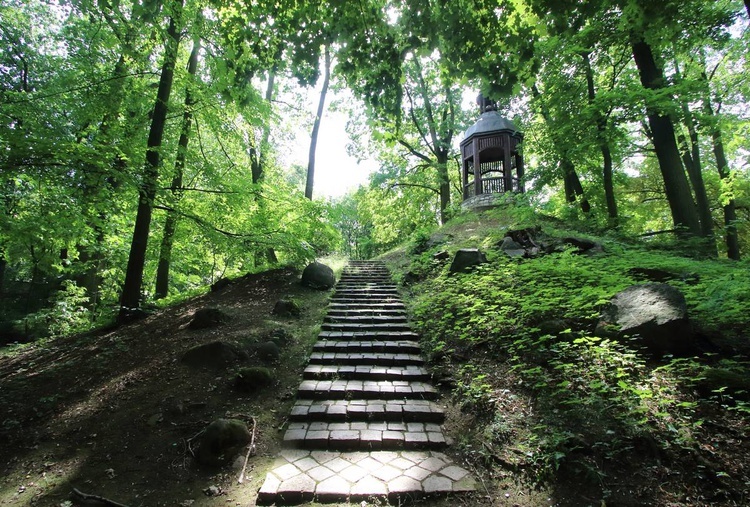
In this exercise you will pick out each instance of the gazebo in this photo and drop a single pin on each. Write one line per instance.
(491, 158)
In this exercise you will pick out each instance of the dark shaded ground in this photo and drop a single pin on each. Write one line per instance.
(110, 413)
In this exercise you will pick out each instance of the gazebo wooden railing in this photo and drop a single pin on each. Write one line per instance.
(490, 186)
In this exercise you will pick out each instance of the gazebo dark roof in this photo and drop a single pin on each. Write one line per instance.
(491, 121)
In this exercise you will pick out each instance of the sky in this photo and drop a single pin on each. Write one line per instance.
(336, 173)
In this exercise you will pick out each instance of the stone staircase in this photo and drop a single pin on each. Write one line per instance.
(365, 424)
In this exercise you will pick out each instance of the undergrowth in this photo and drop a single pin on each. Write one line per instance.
(525, 328)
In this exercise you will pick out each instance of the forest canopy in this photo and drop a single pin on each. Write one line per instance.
(142, 140)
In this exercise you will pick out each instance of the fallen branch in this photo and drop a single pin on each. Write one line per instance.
(85, 497)
(250, 450)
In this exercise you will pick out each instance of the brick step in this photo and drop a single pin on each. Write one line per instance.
(367, 335)
(394, 346)
(376, 410)
(361, 274)
(366, 389)
(364, 436)
(373, 273)
(344, 306)
(365, 284)
(384, 296)
(364, 287)
(366, 319)
(359, 358)
(365, 372)
(366, 312)
(366, 292)
(373, 299)
(348, 326)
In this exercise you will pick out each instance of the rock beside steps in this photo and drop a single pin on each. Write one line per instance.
(365, 424)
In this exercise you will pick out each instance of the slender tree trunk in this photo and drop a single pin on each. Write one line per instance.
(130, 298)
(258, 163)
(445, 186)
(439, 146)
(258, 156)
(684, 212)
(3, 265)
(93, 256)
(730, 212)
(601, 130)
(692, 158)
(571, 181)
(316, 127)
(170, 224)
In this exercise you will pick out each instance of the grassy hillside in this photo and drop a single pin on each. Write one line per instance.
(539, 401)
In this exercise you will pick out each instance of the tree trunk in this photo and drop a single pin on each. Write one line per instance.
(258, 159)
(3, 265)
(130, 298)
(692, 158)
(93, 257)
(170, 224)
(316, 127)
(730, 212)
(601, 130)
(683, 209)
(571, 181)
(445, 187)
(258, 155)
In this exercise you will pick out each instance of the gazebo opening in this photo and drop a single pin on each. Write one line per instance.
(491, 158)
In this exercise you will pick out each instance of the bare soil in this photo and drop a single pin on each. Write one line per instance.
(111, 413)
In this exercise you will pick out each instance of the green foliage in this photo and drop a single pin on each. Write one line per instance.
(67, 313)
(592, 396)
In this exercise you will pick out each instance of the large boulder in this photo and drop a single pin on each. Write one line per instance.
(467, 258)
(654, 314)
(221, 440)
(318, 276)
(215, 355)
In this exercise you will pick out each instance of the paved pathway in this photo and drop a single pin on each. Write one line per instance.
(365, 424)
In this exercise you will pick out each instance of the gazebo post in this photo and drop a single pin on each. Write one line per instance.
(477, 168)
(507, 169)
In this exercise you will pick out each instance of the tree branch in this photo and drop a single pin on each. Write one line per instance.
(82, 87)
(414, 152)
(416, 185)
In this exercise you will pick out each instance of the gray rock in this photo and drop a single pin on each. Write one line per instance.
(654, 313)
(584, 246)
(286, 308)
(214, 355)
(281, 337)
(268, 351)
(208, 317)
(220, 284)
(252, 378)
(467, 258)
(441, 256)
(511, 248)
(221, 440)
(318, 276)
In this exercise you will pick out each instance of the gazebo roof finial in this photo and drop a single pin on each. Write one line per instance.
(486, 104)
